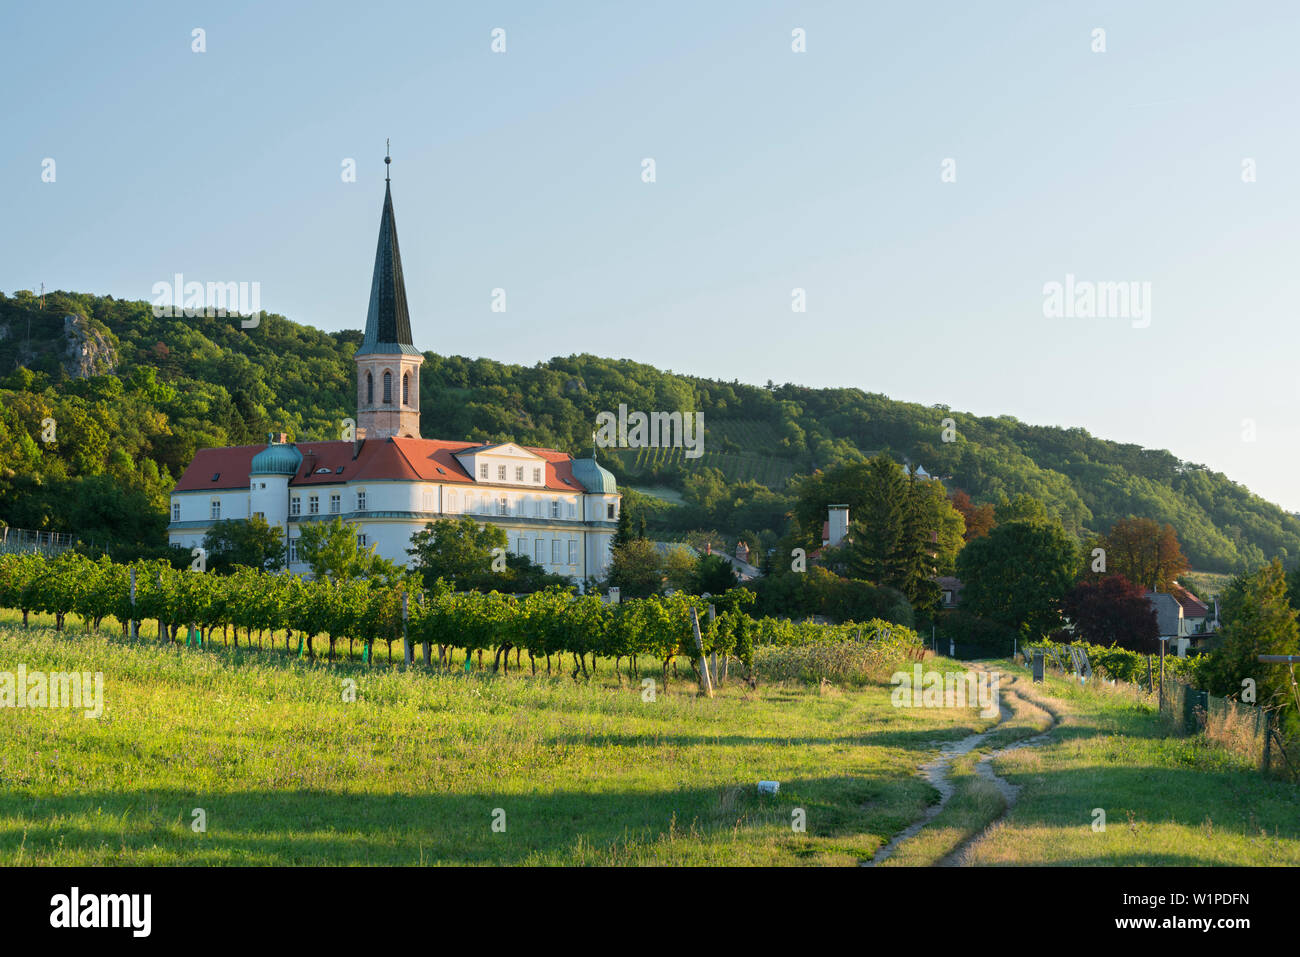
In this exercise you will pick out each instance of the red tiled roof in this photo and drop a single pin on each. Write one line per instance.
(1193, 607)
(231, 464)
(410, 460)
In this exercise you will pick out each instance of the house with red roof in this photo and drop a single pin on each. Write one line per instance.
(387, 482)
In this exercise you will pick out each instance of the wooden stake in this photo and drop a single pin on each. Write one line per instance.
(705, 681)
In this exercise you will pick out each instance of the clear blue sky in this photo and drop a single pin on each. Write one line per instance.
(775, 170)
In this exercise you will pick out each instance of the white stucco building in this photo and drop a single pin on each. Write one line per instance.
(387, 483)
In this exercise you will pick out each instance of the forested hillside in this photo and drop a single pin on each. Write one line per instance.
(134, 396)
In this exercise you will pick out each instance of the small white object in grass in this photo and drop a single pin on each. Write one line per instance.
(768, 787)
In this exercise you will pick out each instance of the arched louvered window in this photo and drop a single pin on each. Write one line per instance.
(388, 388)
(406, 388)
(370, 389)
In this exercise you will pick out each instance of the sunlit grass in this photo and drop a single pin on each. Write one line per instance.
(288, 772)
(1167, 799)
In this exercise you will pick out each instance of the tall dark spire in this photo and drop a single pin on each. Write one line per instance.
(388, 324)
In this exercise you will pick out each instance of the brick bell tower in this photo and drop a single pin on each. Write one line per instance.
(388, 364)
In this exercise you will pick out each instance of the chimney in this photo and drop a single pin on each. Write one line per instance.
(838, 522)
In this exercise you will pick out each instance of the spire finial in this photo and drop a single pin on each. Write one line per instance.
(388, 158)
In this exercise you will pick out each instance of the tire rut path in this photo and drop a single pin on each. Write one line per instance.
(936, 772)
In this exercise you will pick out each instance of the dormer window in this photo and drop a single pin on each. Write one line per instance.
(519, 473)
(537, 476)
(483, 472)
(501, 473)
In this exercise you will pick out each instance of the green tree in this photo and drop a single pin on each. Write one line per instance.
(238, 541)
(1257, 620)
(636, 570)
(1018, 575)
(457, 549)
(679, 565)
(623, 534)
(878, 524)
(713, 576)
(332, 551)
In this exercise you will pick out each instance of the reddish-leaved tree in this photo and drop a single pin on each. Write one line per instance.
(1113, 610)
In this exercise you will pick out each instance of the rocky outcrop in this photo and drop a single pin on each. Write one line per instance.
(86, 351)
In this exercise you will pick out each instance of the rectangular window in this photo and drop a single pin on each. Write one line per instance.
(361, 540)
(216, 509)
(573, 552)
(313, 505)
(293, 550)
(482, 471)
(609, 510)
(503, 506)
(521, 547)
(573, 510)
(176, 511)
(555, 508)
(295, 505)
(519, 473)
(555, 551)
(361, 500)
(335, 501)
(428, 500)
(538, 555)
(501, 473)
(537, 476)
(261, 515)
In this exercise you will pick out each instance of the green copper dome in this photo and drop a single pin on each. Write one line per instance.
(276, 459)
(593, 477)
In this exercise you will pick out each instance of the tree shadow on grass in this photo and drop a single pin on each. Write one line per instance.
(729, 824)
(1137, 799)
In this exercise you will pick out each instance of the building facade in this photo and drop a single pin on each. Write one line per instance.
(388, 482)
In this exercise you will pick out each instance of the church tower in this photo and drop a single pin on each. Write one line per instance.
(388, 364)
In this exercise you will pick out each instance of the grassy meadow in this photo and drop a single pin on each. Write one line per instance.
(1168, 799)
(413, 771)
(421, 765)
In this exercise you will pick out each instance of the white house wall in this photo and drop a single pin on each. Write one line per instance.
(575, 544)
